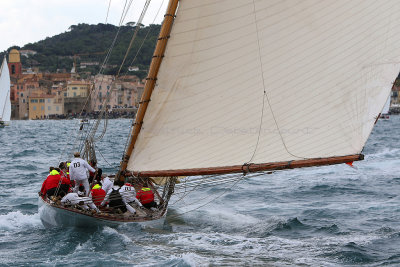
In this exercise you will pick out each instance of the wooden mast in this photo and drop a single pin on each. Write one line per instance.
(150, 80)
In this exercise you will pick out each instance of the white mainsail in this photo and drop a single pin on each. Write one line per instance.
(5, 103)
(269, 81)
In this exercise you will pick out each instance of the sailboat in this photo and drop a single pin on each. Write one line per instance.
(247, 86)
(385, 112)
(5, 103)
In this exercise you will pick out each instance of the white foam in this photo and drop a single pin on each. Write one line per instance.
(301, 251)
(112, 231)
(384, 152)
(192, 259)
(220, 216)
(16, 220)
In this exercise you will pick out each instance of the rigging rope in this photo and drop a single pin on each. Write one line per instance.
(146, 5)
(265, 96)
(90, 129)
(238, 180)
(108, 10)
(125, 11)
(198, 207)
(144, 39)
(101, 154)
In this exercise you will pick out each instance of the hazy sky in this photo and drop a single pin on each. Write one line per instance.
(28, 21)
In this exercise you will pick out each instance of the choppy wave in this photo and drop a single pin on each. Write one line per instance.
(327, 216)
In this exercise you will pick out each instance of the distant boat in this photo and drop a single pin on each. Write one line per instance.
(239, 87)
(82, 123)
(5, 103)
(385, 112)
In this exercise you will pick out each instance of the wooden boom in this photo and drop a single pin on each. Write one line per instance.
(248, 168)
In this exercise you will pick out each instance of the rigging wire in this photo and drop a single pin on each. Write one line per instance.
(106, 59)
(140, 47)
(146, 5)
(191, 188)
(240, 178)
(77, 135)
(144, 39)
(90, 131)
(265, 96)
(198, 207)
(101, 154)
(108, 10)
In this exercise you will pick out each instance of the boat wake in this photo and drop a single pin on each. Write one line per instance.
(17, 220)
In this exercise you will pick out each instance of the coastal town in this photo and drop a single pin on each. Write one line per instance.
(199, 133)
(39, 95)
(42, 95)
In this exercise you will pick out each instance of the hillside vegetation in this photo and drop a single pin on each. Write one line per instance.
(90, 43)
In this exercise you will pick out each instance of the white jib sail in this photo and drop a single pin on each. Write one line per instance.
(268, 81)
(5, 103)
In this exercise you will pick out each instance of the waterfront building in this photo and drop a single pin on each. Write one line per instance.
(37, 106)
(126, 92)
(54, 107)
(102, 85)
(76, 100)
(78, 89)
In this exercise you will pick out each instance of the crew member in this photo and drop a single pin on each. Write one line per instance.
(146, 196)
(78, 171)
(127, 192)
(92, 164)
(97, 194)
(115, 200)
(53, 182)
(106, 183)
(63, 169)
(75, 199)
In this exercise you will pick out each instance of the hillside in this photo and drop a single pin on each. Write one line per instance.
(89, 43)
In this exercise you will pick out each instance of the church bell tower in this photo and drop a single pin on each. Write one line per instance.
(14, 63)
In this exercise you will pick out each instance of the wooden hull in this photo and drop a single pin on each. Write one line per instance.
(55, 216)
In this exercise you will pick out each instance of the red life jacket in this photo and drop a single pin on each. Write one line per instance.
(64, 174)
(145, 195)
(98, 196)
(52, 182)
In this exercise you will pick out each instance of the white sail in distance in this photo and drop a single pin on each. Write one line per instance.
(5, 103)
(269, 81)
(386, 107)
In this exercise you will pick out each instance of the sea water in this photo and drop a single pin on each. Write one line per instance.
(326, 216)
